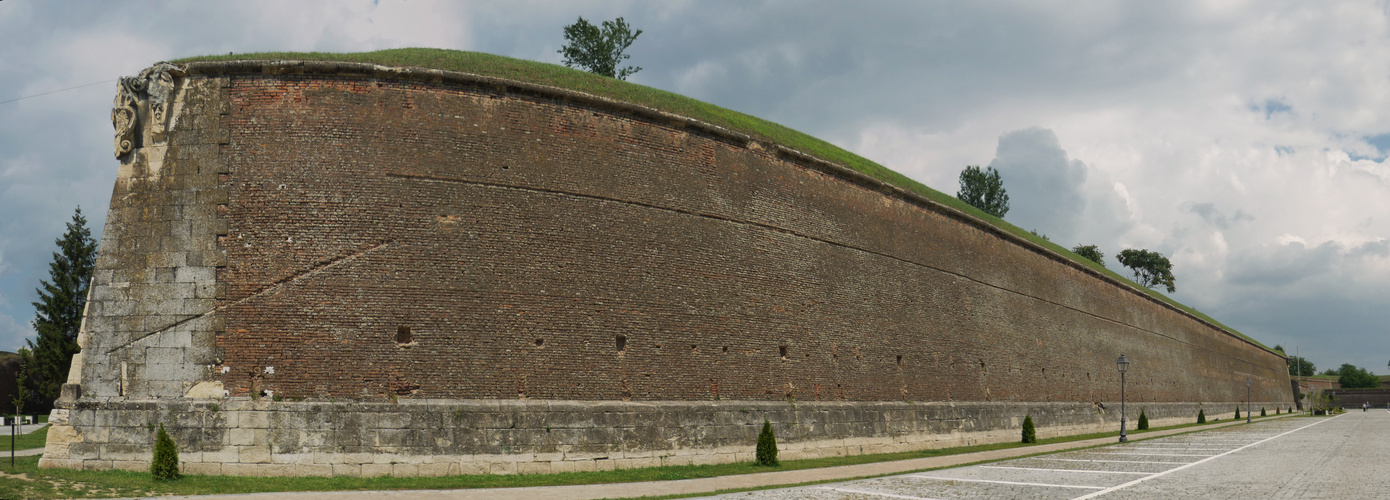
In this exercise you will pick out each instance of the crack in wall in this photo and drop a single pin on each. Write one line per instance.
(279, 284)
(323, 266)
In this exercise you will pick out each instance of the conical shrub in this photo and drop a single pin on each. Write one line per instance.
(1143, 421)
(1262, 411)
(1201, 416)
(1030, 435)
(767, 446)
(165, 463)
(1237, 413)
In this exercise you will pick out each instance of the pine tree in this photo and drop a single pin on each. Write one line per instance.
(1237, 413)
(1201, 416)
(59, 313)
(1030, 434)
(767, 446)
(1143, 421)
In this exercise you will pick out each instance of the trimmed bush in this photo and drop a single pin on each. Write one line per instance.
(1029, 434)
(1143, 421)
(165, 463)
(1276, 410)
(767, 446)
(1237, 413)
(1201, 416)
(1262, 412)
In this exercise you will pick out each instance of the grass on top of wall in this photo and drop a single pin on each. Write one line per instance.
(559, 76)
(68, 483)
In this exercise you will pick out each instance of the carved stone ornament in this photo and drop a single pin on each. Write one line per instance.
(143, 98)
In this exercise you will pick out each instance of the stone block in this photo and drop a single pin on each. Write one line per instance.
(534, 468)
(201, 468)
(374, 470)
(254, 455)
(350, 470)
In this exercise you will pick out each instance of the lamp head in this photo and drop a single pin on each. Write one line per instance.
(1122, 363)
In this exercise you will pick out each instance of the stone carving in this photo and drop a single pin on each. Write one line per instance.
(149, 90)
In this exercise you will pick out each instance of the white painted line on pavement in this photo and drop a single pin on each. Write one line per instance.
(1155, 454)
(1008, 482)
(1202, 461)
(1116, 461)
(878, 493)
(1063, 470)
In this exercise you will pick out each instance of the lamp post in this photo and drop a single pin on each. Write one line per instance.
(1123, 364)
(1247, 400)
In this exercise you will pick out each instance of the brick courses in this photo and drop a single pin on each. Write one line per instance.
(386, 236)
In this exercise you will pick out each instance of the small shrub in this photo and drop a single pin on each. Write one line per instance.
(1201, 416)
(1262, 412)
(1276, 410)
(165, 463)
(1030, 435)
(1237, 413)
(767, 446)
(1143, 421)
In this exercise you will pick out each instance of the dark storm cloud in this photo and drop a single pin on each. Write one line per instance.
(1045, 187)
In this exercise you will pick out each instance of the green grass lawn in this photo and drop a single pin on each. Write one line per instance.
(581, 81)
(65, 483)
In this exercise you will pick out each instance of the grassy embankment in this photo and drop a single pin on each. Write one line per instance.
(26, 480)
(562, 77)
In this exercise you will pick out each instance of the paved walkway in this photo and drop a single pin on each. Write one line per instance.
(707, 485)
(1347, 456)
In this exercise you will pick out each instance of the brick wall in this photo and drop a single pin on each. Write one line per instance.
(400, 236)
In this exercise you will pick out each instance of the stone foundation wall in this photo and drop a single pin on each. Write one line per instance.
(431, 438)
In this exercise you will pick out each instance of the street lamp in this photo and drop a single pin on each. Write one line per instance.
(1247, 400)
(1123, 364)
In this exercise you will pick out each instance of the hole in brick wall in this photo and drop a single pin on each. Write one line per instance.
(403, 334)
(540, 342)
(783, 351)
(693, 348)
(504, 167)
(621, 343)
(982, 364)
(900, 361)
(726, 349)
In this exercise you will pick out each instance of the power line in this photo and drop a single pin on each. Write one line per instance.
(55, 91)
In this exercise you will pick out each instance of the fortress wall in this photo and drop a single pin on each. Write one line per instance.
(384, 237)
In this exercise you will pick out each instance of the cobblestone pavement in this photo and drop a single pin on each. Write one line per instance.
(1347, 456)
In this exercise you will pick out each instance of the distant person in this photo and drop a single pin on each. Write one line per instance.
(1364, 406)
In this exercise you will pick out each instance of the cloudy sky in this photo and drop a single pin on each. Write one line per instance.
(1245, 140)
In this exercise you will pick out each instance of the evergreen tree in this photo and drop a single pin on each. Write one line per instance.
(164, 464)
(984, 189)
(1201, 416)
(766, 454)
(1030, 434)
(59, 313)
(1143, 421)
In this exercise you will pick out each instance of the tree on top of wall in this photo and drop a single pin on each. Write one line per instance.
(1090, 252)
(1150, 268)
(599, 50)
(59, 313)
(984, 189)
